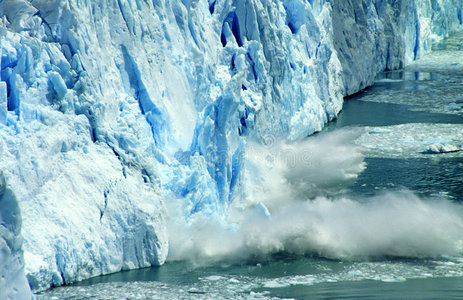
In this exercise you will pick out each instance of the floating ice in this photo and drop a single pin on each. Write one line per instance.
(425, 92)
(444, 59)
(412, 140)
(443, 148)
(246, 287)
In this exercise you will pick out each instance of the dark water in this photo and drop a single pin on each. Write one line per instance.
(365, 113)
(437, 288)
(425, 176)
(314, 277)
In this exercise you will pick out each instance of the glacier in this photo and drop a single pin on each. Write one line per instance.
(116, 117)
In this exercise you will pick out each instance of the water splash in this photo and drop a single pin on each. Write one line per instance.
(292, 207)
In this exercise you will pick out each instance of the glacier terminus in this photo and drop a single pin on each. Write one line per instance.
(123, 123)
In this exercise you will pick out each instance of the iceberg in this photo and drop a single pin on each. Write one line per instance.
(116, 116)
(437, 148)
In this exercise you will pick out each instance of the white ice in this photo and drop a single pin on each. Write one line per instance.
(110, 111)
(411, 140)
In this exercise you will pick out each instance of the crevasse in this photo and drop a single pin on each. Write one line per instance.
(112, 110)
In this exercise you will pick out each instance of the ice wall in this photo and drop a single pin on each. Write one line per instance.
(13, 283)
(378, 35)
(110, 110)
(77, 151)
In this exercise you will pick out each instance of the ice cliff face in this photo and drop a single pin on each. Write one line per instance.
(13, 283)
(373, 36)
(110, 110)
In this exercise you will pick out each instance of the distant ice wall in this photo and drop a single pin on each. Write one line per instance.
(110, 110)
(373, 36)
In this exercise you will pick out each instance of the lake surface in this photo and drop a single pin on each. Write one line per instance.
(398, 119)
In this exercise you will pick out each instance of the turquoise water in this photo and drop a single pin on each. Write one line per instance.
(397, 119)
(284, 277)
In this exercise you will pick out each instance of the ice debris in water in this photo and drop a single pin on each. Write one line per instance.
(443, 148)
(411, 140)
